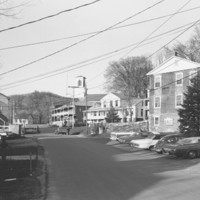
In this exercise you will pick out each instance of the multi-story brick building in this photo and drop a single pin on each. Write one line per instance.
(168, 82)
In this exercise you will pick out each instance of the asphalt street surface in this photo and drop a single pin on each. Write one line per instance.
(93, 169)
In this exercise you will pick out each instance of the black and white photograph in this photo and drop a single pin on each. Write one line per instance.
(99, 100)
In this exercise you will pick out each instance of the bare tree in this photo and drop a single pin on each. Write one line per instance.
(163, 55)
(9, 8)
(189, 50)
(128, 77)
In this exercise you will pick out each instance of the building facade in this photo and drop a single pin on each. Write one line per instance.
(96, 108)
(4, 110)
(168, 83)
(98, 112)
(70, 114)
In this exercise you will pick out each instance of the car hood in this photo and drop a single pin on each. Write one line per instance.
(142, 140)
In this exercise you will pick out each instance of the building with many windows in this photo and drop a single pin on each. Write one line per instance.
(99, 110)
(73, 113)
(168, 82)
(96, 109)
(4, 110)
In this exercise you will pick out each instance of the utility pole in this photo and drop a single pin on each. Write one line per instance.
(73, 112)
(13, 113)
(86, 108)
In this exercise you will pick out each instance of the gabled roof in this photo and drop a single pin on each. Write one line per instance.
(121, 96)
(95, 97)
(174, 64)
(4, 118)
(134, 101)
(5, 96)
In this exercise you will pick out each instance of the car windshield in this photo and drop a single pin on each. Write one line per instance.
(151, 136)
(163, 139)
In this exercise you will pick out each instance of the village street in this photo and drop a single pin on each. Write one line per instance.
(89, 168)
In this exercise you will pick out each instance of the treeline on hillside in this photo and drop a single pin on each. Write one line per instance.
(37, 105)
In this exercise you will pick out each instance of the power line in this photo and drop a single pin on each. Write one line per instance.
(175, 81)
(101, 57)
(49, 16)
(146, 43)
(90, 33)
(159, 27)
(83, 40)
(193, 24)
(164, 86)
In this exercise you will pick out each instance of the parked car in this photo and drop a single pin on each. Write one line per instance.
(168, 139)
(126, 139)
(14, 136)
(31, 130)
(146, 143)
(115, 135)
(3, 134)
(186, 148)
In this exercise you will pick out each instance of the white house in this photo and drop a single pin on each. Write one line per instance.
(99, 110)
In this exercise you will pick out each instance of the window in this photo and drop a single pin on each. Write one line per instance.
(179, 79)
(104, 104)
(116, 103)
(95, 113)
(179, 99)
(111, 103)
(102, 113)
(156, 121)
(79, 83)
(157, 102)
(157, 137)
(157, 82)
(141, 113)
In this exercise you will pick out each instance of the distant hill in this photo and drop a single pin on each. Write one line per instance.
(36, 104)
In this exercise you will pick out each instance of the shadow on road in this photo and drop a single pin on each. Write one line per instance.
(87, 169)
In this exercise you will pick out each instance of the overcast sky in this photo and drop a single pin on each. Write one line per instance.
(23, 63)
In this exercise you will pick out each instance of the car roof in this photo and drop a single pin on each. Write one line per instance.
(174, 135)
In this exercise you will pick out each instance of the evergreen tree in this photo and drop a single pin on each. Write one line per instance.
(190, 112)
(112, 116)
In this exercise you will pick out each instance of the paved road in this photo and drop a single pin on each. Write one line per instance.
(89, 169)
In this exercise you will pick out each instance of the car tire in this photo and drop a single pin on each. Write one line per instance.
(192, 154)
(151, 148)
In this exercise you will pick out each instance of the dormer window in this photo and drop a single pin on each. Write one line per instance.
(179, 79)
(157, 82)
